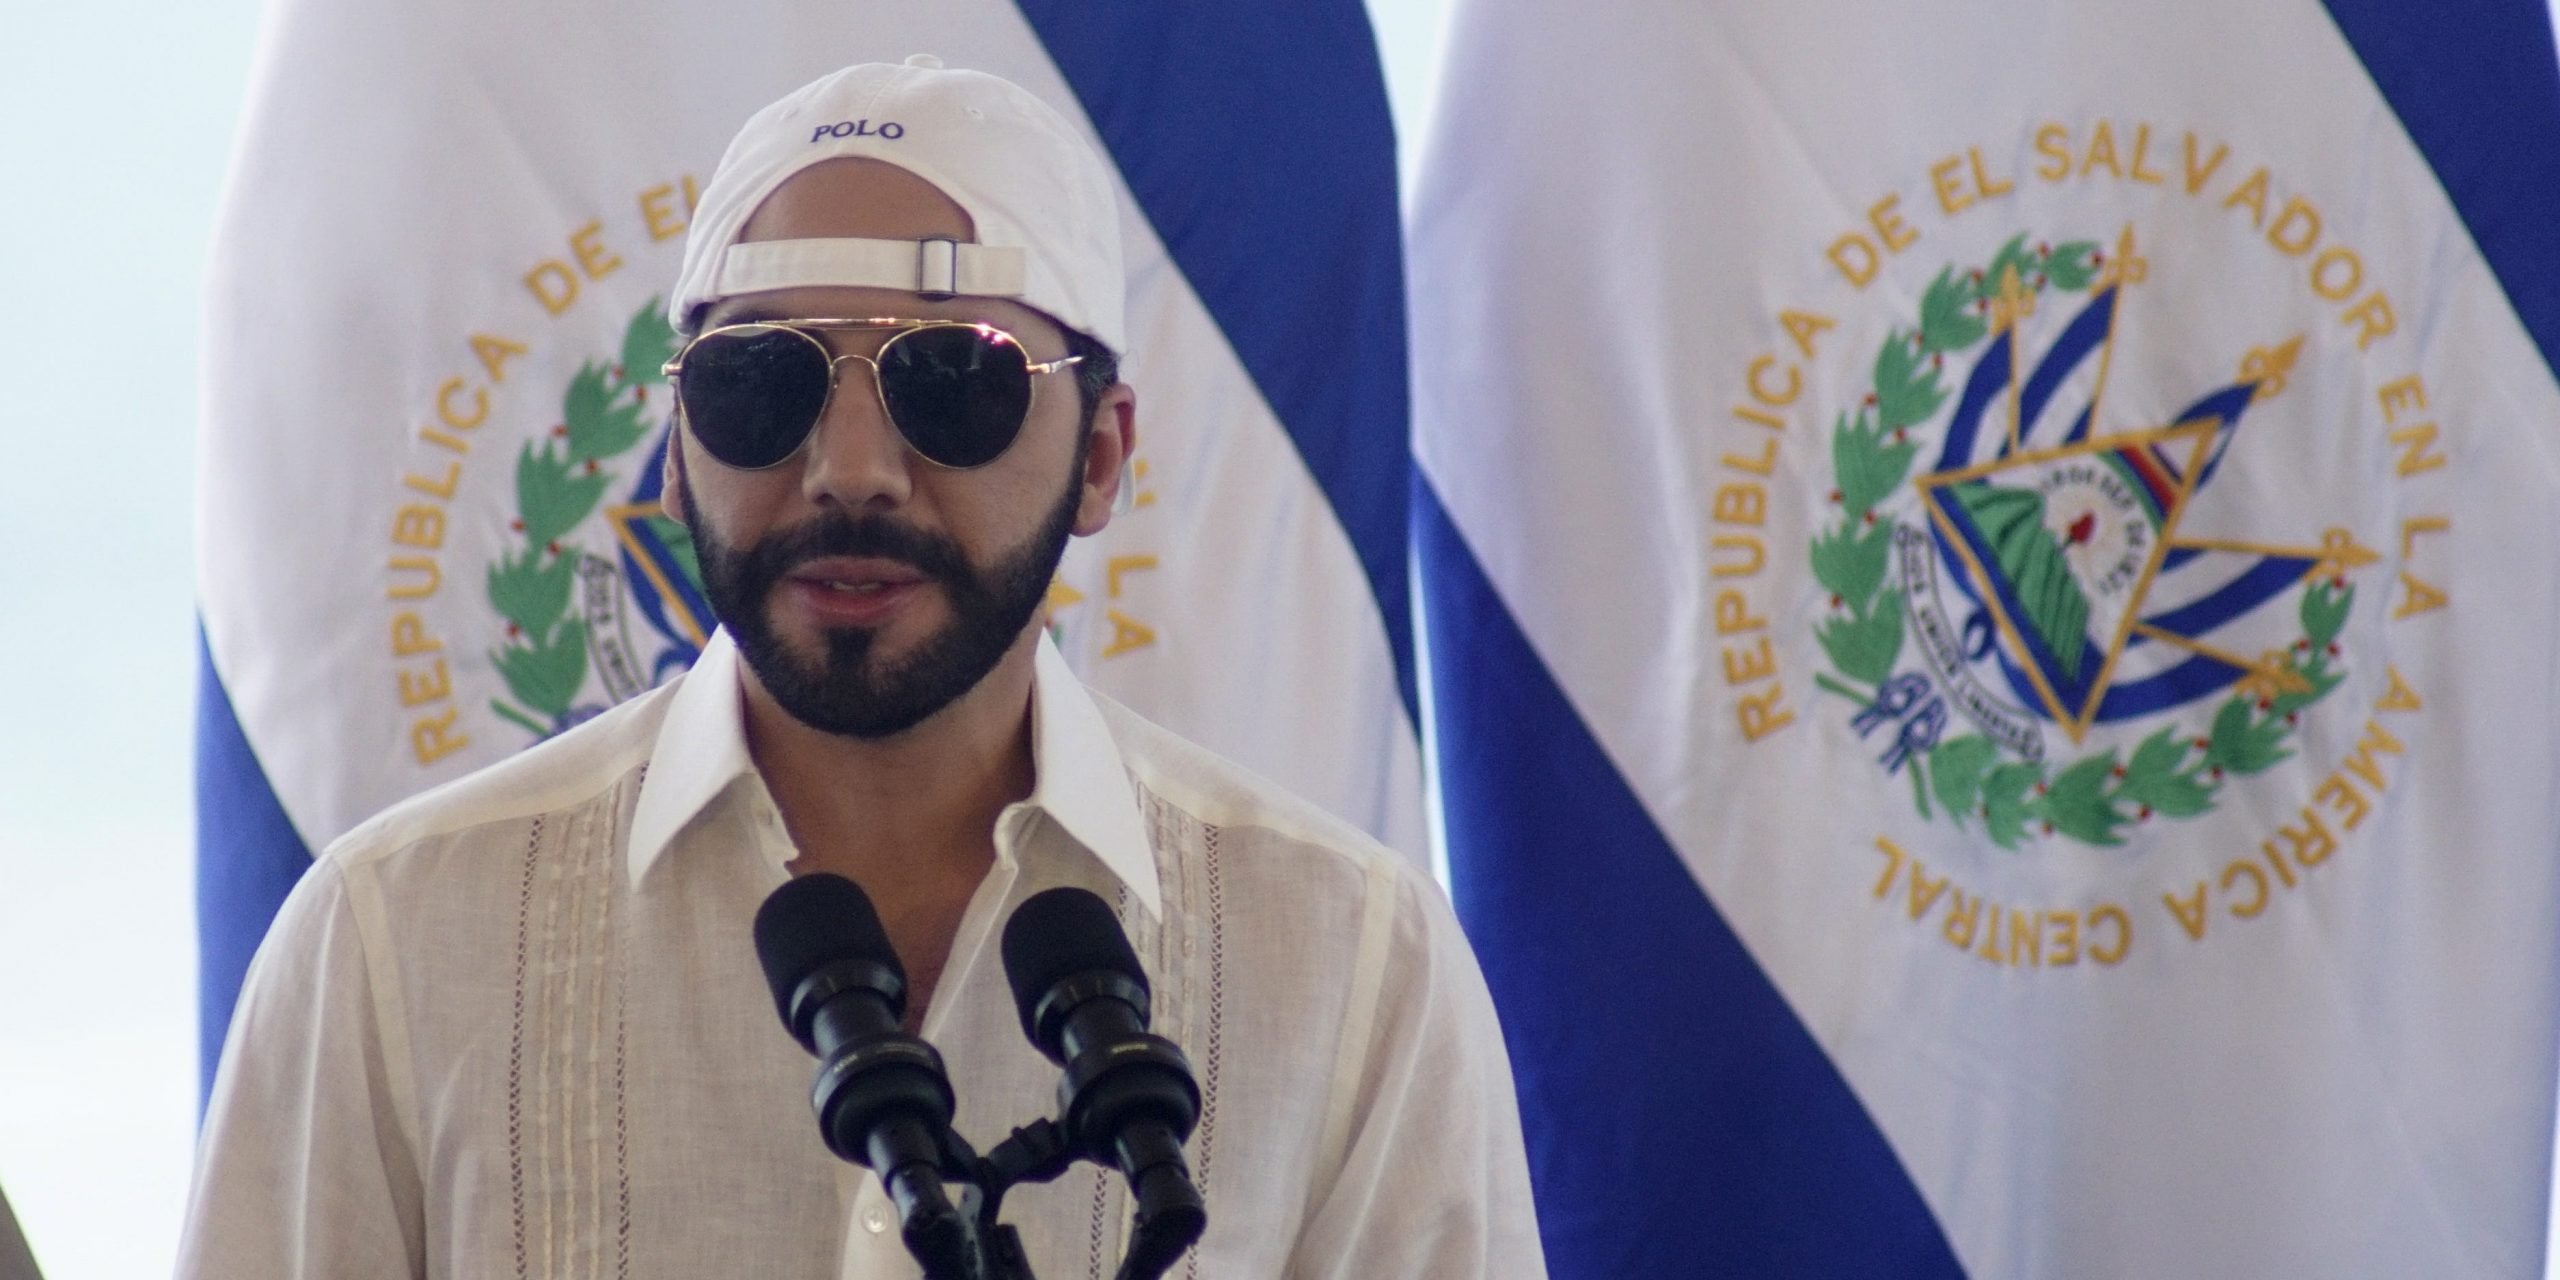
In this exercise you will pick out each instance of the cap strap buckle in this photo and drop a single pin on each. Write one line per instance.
(933, 267)
(937, 267)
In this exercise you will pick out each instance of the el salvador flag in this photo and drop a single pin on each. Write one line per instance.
(434, 416)
(1822, 409)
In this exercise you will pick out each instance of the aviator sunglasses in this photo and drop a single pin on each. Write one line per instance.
(957, 391)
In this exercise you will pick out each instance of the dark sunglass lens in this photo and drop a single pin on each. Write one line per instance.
(956, 392)
(751, 394)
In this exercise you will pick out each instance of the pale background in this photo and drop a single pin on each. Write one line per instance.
(119, 122)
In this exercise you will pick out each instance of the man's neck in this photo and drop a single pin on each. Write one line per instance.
(914, 809)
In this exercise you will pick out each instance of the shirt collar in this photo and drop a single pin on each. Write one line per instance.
(1080, 782)
(701, 750)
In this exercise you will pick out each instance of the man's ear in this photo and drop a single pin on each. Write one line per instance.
(1111, 442)
(671, 495)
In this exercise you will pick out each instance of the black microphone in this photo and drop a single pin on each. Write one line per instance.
(882, 1097)
(1128, 1096)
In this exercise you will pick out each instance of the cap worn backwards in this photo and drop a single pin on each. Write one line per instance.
(1041, 200)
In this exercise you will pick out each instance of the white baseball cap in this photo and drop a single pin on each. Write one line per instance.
(1047, 219)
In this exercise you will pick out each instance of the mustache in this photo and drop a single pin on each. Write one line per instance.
(837, 534)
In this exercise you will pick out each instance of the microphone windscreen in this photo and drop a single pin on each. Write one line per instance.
(813, 921)
(1056, 934)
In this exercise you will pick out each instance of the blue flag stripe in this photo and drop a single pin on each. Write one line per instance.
(2478, 90)
(248, 857)
(1680, 1119)
(1257, 141)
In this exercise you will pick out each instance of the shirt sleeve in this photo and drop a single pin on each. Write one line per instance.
(302, 1169)
(1434, 1180)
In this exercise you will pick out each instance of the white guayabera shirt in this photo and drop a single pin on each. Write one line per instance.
(516, 1027)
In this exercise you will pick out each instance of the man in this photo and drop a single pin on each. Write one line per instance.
(516, 1027)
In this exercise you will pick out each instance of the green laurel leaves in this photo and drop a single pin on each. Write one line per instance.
(598, 426)
(1960, 767)
(530, 593)
(1950, 306)
(2157, 777)
(1906, 391)
(1865, 642)
(2324, 615)
(2093, 799)
(544, 670)
(1872, 452)
(556, 490)
(559, 481)
(2009, 801)
(2072, 267)
(2076, 801)
(648, 343)
(2250, 737)
(1850, 559)
(2242, 744)
(1869, 461)
(1947, 319)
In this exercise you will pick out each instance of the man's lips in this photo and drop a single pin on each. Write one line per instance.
(854, 574)
(853, 591)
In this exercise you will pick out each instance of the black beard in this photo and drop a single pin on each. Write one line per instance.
(847, 693)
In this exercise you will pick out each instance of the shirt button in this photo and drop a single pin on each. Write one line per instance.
(874, 1219)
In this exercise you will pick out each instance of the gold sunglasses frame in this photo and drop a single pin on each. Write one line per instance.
(674, 369)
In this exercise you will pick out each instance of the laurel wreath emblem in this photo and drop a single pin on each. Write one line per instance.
(2092, 799)
(560, 480)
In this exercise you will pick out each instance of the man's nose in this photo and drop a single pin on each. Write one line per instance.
(856, 457)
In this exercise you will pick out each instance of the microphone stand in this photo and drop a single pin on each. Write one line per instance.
(1169, 1217)
(983, 1249)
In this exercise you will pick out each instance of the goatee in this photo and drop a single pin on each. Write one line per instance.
(846, 690)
